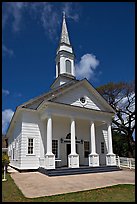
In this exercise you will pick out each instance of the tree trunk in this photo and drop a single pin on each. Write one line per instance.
(130, 148)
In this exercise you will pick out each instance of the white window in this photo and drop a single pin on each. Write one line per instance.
(86, 149)
(68, 66)
(55, 148)
(30, 145)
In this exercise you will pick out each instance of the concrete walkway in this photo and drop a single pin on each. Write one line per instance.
(11, 170)
(35, 184)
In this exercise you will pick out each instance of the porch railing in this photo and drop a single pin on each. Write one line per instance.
(125, 162)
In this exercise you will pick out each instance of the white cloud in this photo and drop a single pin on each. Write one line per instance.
(14, 10)
(6, 118)
(70, 9)
(7, 51)
(50, 20)
(5, 92)
(86, 67)
(46, 13)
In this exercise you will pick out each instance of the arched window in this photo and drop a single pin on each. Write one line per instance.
(68, 66)
(58, 68)
(68, 136)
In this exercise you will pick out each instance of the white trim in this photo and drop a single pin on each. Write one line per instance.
(74, 111)
(58, 149)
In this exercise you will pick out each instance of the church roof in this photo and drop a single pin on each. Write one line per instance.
(46, 96)
(64, 34)
(49, 96)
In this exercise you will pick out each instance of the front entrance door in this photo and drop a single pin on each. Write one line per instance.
(68, 151)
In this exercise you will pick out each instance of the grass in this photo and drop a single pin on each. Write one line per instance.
(117, 193)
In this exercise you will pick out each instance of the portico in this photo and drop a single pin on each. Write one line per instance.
(68, 120)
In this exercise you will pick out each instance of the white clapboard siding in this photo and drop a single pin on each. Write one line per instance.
(30, 129)
(16, 136)
(72, 97)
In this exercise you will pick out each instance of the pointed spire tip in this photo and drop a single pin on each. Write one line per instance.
(63, 14)
(64, 33)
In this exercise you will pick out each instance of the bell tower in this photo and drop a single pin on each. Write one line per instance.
(65, 70)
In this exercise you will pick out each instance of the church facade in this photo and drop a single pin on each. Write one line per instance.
(68, 126)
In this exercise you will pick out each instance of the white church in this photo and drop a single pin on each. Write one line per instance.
(69, 126)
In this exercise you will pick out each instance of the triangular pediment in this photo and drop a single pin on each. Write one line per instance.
(71, 94)
(83, 95)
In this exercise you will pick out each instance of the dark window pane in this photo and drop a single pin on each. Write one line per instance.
(102, 147)
(30, 146)
(58, 68)
(86, 149)
(68, 66)
(55, 148)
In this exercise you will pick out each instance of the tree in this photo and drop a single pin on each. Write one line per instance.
(120, 145)
(121, 96)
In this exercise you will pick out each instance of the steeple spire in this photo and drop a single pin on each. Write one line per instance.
(65, 70)
(64, 34)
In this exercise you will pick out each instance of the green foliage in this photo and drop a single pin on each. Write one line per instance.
(5, 159)
(120, 145)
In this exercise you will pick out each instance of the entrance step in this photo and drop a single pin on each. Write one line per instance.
(63, 171)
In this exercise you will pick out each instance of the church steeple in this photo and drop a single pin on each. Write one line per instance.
(64, 34)
(65, 55)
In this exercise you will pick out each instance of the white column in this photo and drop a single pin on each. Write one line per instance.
(73, 157)
(49, 135)
(93, 156)
(73, 142)
(92, 135)
(49, 157)
(110, 149)
(110, 157)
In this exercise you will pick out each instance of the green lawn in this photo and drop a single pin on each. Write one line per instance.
(118, 193)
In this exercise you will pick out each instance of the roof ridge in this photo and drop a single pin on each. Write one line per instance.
(33, 100)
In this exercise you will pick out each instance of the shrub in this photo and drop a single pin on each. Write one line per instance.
(5, 160)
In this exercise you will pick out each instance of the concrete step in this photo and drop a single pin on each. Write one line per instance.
(73, 171)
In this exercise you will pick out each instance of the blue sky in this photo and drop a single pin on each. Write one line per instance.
(30, 36)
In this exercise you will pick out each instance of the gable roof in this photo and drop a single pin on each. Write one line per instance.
(46, 96)
(73, 86)
(37, 102)
(56, 92)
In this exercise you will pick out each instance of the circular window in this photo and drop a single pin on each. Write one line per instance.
(82, 99)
